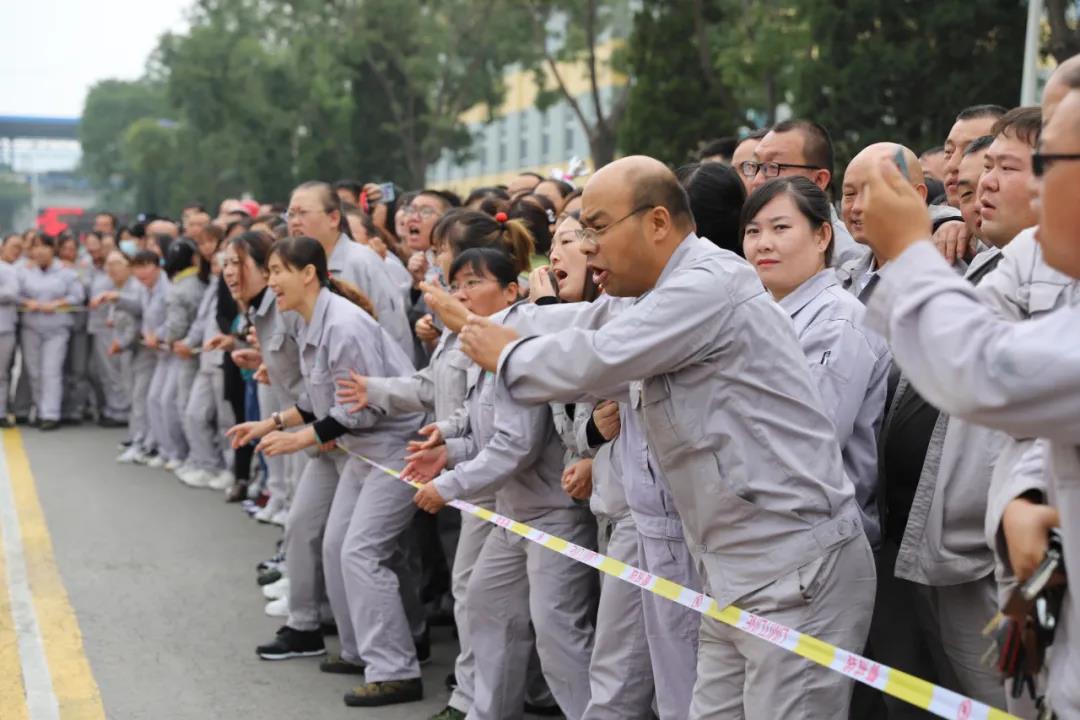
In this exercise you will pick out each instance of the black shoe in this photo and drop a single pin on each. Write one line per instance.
(237, 492)
(269, 577)
(73, 422)
(271, 563)
(6, 422)
(451, 682)
(293, 644)
(337, 666)
(449, 713)
(47, 425)
(329, 629)
(543, 710)
(388, 692)
(423, 647)
(108, 422)
(22, 420)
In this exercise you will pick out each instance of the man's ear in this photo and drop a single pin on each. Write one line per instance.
(822, 178)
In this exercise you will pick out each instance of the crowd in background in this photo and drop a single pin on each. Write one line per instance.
(689, 381)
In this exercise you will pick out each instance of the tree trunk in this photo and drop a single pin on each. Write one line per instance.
(601, 145)
(1064, 40)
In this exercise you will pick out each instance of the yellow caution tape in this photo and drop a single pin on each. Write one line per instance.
(932, 698)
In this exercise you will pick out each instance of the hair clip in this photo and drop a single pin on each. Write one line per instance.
(501, 217)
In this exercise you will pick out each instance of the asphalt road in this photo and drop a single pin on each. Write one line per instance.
(162, 580)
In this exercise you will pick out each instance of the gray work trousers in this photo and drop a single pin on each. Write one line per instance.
(207, 416)
(43, 361)
(23, 401)
(671, 630)
(107, 379)
(934, 633)
(514, 582)
(7, 355)
(304, 531)
(365, 566)
(620, 673)
(76, 366)
(742, 676)
(162, 405)
(140, 430)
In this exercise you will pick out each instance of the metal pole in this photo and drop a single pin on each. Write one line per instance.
(1029, 85)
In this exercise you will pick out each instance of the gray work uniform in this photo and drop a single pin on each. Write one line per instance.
(734, 420)
(9, 298)
(207, 414)
(362, 546)
(136, 361)
(620, 672)
(181, 309)
(1017, 377)
(77, 359)
(363, 267)
(107, 378)
(517, 452)
(153, 321)
(45, 335)
(851, 366)
(671, 630)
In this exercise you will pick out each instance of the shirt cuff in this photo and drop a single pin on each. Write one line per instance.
(456, 451)
(306, 415)
(448, 486)
(593, 435)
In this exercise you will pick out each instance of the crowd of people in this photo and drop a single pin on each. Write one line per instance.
(747, 376)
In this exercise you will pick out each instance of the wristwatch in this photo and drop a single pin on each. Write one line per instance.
(278, 422)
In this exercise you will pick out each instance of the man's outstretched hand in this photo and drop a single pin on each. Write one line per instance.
(484, 341)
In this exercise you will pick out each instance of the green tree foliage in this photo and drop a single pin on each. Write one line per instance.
(678, 97)
(887, 70)
(111, 106)
(14, 194)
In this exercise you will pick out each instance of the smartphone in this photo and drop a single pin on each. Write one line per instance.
(901, 162)
(388, 194)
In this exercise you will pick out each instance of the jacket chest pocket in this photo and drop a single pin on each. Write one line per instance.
(1044, 297)
(653, 401)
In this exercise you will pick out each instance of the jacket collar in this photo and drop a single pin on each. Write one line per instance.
(336, 262)
(805, 293)
(313, 333)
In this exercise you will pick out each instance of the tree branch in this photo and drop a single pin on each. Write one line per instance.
(590, 35)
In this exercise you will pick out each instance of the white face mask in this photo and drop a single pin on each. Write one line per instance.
(129, 247)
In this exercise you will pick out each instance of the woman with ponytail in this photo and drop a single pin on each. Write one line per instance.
(370, 510)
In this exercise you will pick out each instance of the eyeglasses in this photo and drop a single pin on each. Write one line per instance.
(469, 285)
(425, 213)
(1041, 162)
(300, 213)
(750, 168)
(591, 235)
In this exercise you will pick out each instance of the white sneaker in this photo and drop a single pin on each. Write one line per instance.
(131, 455)
(184, 468)
(173, 465)
(279, 607)
(276, 590)
(280, 517)
(265, 514)
(222, 480)
(194, 477)
(157, 462)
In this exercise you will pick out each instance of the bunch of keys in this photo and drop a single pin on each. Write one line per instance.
(1022, 632)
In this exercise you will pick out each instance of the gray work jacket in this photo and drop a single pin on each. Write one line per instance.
(55, 282)
(729, 408)
(278, 335)
(9, 297)
(851, 365)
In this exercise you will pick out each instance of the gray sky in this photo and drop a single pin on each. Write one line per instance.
(54, 50)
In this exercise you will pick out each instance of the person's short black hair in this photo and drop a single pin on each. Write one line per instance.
(353, 186)
(977, 112)
(725, 147)
(483, 193)
(146, 257)
(196, 206)
(755, 134)
(817, 143)
(933, 151)
(115, 220)
(717, 194)
(563, 187)
(811, 201)
(979, 144)
(1022, 123)
(530, 173)
(445, 197)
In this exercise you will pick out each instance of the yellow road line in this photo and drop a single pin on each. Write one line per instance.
(73, 683)
(12, 694)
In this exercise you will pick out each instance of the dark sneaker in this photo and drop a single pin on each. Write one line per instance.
(543, 710)
(423, 647)
(329, 628)
(6, 422)
(337, 666)
(108, 422)
(388, 692)
(237, 492)
(451, 681)
(47, 425)
(449, 713)
(291, 643)
(269, 577)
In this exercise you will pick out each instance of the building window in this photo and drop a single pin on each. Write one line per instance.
(504, 142)
(569, 133)
(523, 139)
(545, 137)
